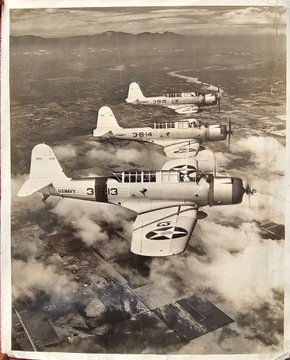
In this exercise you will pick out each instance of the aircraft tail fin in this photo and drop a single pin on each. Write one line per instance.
(134, 94)
(106, 122)
(44, 169)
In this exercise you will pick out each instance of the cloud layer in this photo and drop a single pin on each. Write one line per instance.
(229, 260)
(182, 20)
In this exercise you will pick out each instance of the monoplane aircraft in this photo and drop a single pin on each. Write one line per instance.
(181, 102)
(167, 201)
(179, 138)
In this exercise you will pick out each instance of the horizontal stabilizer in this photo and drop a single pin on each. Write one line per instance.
(103, 133)
(32, 186)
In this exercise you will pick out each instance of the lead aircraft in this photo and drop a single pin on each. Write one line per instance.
(167, 201)
(178, 138)
(180, 102)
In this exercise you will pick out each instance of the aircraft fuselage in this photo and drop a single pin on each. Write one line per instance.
(178, 99)
(153, 189)
(149, 134)
(162, 132)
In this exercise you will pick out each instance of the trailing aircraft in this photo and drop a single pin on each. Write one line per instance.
(179, 138)
(180, 102)
(167, 201)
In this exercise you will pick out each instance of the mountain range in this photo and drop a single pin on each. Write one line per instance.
(207, 43)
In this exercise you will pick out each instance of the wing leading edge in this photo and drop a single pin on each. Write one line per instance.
(184, 109)
(163, 232)
(182, 149)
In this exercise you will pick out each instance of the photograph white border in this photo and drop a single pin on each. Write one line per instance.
(6, 181)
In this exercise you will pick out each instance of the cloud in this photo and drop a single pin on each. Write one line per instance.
(22, 204)
(267, 203)
(228, 261)
(183, 20)
(225, 251)
(252, 15)
(28, 278)
(64, 152)
(256, 329)
(268, 154)
(231, 262)
(134, 154)
(118, 68)
(240, 272)
(96, 224)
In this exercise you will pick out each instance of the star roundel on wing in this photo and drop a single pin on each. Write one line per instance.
(166, 233)
(183, 168)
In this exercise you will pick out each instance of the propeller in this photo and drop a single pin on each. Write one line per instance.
(216, 90)
(219, 95)
(230, 133)
(249, 190)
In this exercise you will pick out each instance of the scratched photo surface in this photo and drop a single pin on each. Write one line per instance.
(76, 286)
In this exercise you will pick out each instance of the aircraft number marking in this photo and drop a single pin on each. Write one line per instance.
(113, 191)
(142, 134)
(90, 191)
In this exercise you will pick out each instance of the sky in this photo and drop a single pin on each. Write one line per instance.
(186, 21)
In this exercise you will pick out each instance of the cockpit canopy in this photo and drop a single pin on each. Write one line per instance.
(184, 94)
(163, 125)
(190, 123)
(135, 176)
(164, 176)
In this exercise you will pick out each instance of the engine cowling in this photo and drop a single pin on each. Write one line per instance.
(216, 132)
(226, 191)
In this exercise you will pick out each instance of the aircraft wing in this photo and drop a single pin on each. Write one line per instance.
(163, 232)
(182, 149)
(184, 109)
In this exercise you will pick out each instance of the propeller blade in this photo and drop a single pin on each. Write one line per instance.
(214, 169)
(230, 133)
(249, 190)
(218, 97)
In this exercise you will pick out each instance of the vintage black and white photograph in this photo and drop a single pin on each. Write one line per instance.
(147, 179)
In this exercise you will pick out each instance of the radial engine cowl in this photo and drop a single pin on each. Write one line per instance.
(227, 191)
(216, 132)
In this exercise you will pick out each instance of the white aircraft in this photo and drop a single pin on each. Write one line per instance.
(167, 201)
(179, 138)
(182, 103)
